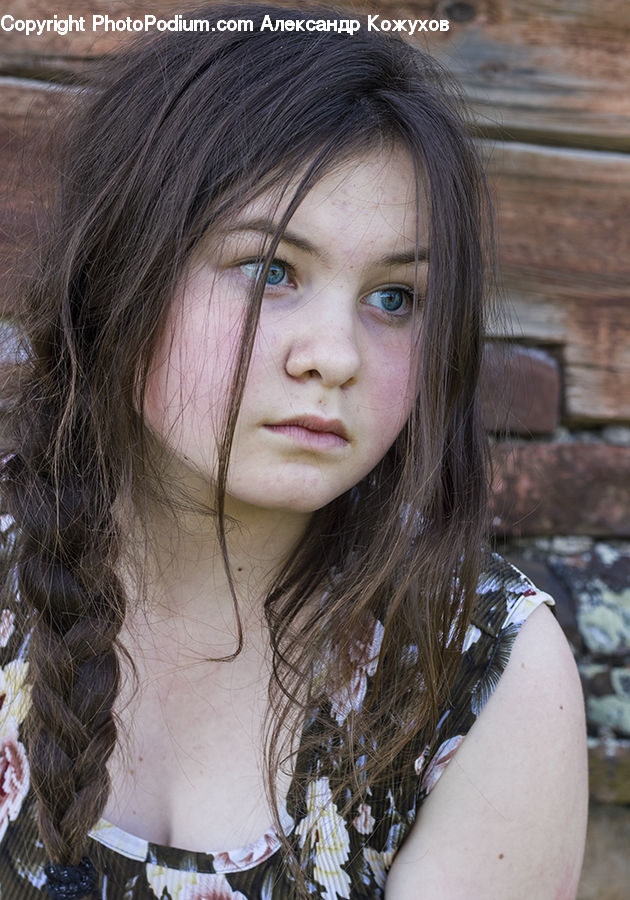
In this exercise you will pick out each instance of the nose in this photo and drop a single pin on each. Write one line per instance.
(324, 343)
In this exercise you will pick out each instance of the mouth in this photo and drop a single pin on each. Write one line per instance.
(312, 431)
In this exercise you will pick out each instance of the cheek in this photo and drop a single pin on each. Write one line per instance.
(187, 388)
(392, 389)
(390, 402)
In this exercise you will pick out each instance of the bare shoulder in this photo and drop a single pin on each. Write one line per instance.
(508, 816)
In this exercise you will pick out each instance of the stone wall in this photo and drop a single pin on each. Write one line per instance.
(548, 84)
(590, 580)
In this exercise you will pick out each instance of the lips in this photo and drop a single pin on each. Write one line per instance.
(315, 423)
(311, 433)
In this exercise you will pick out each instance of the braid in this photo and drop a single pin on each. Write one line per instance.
(77, 605)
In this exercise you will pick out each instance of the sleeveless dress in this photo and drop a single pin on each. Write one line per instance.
(347, 857)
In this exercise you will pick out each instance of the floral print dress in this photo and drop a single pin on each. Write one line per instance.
(348, 857)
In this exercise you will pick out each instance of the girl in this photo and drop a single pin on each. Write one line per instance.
(248, 602)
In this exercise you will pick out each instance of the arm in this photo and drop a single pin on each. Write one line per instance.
(507, 819)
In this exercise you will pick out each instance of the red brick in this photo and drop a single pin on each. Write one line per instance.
(520, 389)
(561, 488)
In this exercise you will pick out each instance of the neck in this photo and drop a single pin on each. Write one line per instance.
(188, 596)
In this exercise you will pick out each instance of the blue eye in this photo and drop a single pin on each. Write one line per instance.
(276, 275)
(394, 300)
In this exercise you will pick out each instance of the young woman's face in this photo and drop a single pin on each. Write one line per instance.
(331, 382)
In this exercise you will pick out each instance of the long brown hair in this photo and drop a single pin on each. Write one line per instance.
(172, 137)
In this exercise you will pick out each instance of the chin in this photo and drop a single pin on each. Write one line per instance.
(300, 505)
(297, 501)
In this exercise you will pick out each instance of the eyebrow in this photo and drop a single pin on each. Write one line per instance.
(269, 228)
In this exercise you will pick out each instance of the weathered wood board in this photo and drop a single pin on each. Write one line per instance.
(542, 72)
(564, 232)
(590, 330)
(548, 72)
(27, 109)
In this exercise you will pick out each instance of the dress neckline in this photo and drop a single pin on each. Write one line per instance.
(221, 861)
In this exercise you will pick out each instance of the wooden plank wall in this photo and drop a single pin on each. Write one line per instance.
(549, 86)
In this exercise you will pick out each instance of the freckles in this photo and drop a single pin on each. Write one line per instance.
(391, 378)
(207, 353)
(391, 399)
(268, 352)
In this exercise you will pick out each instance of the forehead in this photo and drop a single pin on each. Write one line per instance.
(373, 198)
